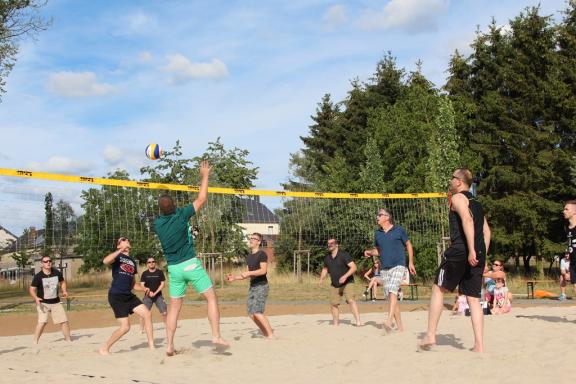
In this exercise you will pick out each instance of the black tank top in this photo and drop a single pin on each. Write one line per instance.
(457, 238)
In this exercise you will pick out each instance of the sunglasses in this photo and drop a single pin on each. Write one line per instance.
(497, 265)
(46, 261)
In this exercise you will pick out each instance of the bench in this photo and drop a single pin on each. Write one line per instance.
(530, 286)
(413, 292)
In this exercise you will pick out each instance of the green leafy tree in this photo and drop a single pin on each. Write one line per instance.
(373, 170)
(112, 212)
(49, 225)
(380, 147)
(64, 226)
(21, 258)
(520, 132)
(217, 223)
(401, 130)
(443, 148)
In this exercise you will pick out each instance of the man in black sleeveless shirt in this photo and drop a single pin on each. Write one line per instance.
(463, 262)
(570, 215)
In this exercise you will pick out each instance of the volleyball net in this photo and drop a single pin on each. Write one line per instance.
(74, 215)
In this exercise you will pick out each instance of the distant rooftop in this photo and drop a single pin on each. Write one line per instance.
(256, 212)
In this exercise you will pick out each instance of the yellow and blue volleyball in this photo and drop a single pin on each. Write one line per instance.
(154, 152)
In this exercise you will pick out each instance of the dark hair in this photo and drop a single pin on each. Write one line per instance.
(166, 205)
(258, 235)
(573, 202)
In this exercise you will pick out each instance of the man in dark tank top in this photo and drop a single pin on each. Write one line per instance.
(463, 262)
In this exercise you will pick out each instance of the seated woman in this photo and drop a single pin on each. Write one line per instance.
(502, 298)
(374, 280)
(490, 279)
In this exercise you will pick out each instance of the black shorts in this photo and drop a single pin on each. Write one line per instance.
(455, 271)
(572, 273)
(123, 304)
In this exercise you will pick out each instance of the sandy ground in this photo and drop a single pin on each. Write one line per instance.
(527, 346)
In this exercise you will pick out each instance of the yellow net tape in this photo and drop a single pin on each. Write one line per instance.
(218, 190)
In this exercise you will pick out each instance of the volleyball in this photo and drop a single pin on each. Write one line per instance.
(154, 152)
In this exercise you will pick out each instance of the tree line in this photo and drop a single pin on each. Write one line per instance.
(507, 111)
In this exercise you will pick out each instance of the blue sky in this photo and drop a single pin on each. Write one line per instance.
(109, 77)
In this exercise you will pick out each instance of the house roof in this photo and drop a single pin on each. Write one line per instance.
(255, 212)
(8, 232)
(33, 241)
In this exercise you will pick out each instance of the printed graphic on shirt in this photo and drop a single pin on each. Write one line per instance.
(126, 265)
(50, 286)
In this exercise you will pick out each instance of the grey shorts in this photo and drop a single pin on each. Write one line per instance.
(158, 300)
(257, 296)
(392, 279)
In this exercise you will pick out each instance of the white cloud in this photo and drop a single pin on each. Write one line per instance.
(145, 57)
(77, 84)
(112, 154)
(412, 16)
(61, 164)
(334, 16)
(184, 70)
(135, 23)
(120, 158)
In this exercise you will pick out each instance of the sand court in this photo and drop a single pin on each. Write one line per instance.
(528, 345)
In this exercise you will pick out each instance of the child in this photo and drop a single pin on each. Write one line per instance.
(502, 298)
(460, 304)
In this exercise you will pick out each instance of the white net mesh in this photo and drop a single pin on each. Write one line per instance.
(86, 219)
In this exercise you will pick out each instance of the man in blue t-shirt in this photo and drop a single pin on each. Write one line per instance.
(391, 243)
(120, 296)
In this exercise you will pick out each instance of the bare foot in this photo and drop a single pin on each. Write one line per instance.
(103, 351)
(387, 327)
(426, 344)
(170, 352)
(219, 344)
(477, 349)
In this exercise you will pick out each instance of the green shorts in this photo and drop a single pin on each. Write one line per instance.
(189, 271)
